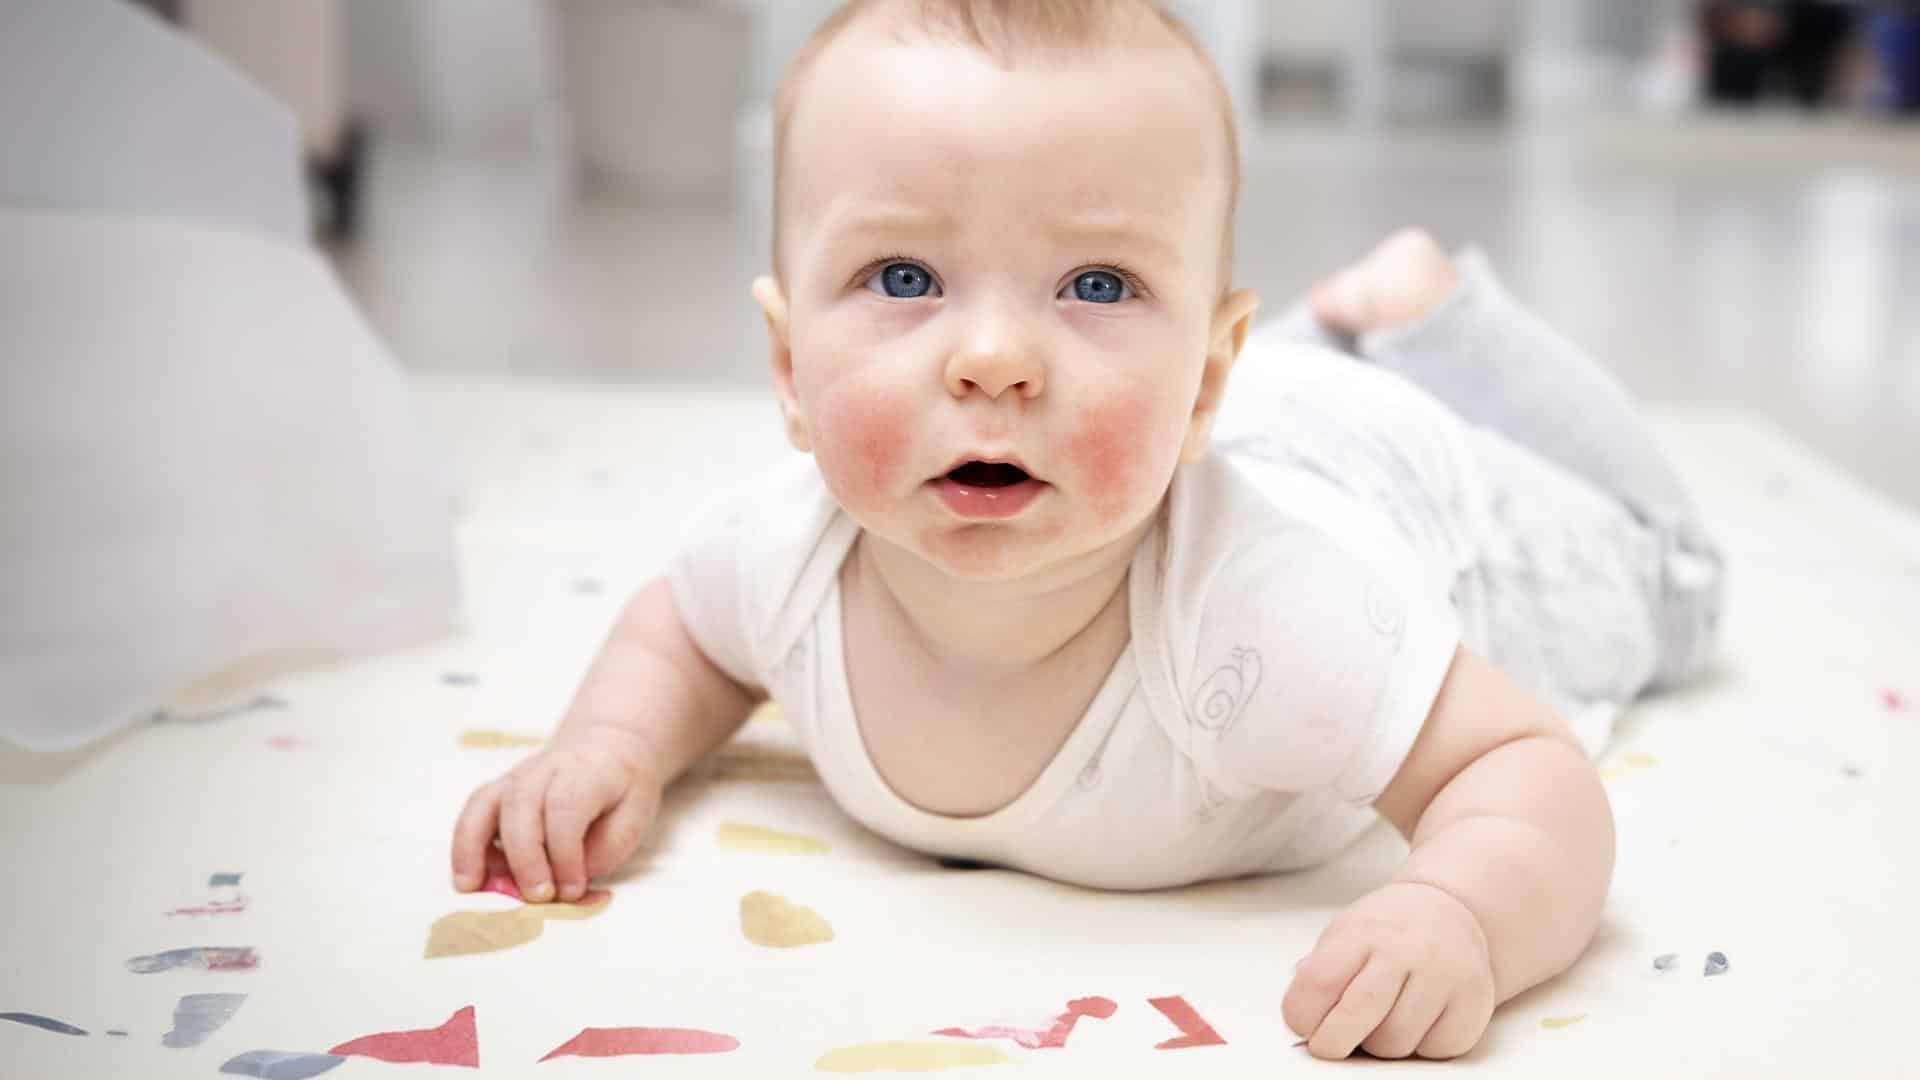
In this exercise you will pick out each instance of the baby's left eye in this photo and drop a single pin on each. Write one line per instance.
(1099, 287)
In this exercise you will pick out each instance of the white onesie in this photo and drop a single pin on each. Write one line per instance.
(1293, 614)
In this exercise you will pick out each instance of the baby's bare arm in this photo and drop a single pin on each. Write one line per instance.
(651, 681)
(650, 705)
(1506, 814)
(1512, 853)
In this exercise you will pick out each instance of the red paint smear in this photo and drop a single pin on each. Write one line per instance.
(1054, 1038)
(214, 907)
(1893, 700)
(1194, 1031)
(452, 1043)
(286, 742)
(243, 959)
(504, 885)
(620, 1042)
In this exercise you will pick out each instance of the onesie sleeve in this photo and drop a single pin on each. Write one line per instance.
(751, 572)
(1316, 666)
(705, 576)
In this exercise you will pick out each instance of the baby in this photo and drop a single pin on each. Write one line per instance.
(1046, 594)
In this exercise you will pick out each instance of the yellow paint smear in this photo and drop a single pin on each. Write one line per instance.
(909, 1057)
(466, 932)
(488, 739)
(1628, 763)
(776, 922)
(1554, 1023)
(768, 713)
(738, 761)
(756, 840)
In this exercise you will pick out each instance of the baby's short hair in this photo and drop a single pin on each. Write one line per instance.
(1009, 31)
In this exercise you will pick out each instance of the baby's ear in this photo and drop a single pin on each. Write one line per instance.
(1231, 321)
(773, 304)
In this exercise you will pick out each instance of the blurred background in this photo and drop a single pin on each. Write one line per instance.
(1720, 198)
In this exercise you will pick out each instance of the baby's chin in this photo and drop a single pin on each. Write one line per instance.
(989, 554)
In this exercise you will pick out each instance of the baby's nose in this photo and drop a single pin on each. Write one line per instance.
(993, 372)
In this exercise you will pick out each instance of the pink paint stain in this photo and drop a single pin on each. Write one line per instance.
(1893, 701)
(503, 884)
(213, 907)
(1054, 1038)
(621, 1042)
(287, 742)
(1194, 1031)
(500, 880)
(453, 1043)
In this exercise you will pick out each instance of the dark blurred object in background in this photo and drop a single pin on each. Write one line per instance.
(1893, 33)
(1755, 50)
(1813, 52)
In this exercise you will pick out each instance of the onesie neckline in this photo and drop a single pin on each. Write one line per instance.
(918, 827)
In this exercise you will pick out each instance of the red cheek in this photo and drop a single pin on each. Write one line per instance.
(861, 443)
(1108, 452)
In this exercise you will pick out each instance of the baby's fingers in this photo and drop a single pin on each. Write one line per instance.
(473, 836)
(1318, 982)
(1419, 1005)
(619, 831)
(574, 799)
(1461, 1024)
(523, 833)
(1367, 1001)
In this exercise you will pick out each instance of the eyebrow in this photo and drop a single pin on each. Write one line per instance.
(844, 220)
(1121, 231)
(1113, 230)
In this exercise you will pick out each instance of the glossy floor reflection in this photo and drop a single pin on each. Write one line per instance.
(1765, 264)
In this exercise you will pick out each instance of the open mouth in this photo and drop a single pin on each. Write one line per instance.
(988, 474)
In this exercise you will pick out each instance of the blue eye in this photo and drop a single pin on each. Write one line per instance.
(903, 281)
(1101, 287)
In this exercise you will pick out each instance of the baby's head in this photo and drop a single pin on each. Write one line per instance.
(1000, 306)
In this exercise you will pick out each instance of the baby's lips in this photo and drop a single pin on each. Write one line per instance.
(989, 459)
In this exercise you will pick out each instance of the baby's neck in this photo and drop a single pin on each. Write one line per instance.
(996, 630)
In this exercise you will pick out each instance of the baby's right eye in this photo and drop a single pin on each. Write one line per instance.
(903, 281)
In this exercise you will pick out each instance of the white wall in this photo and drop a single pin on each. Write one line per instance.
(1315, 31)
(290, 48)
(467, 74)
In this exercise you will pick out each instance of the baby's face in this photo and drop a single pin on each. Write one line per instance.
(1001, 294)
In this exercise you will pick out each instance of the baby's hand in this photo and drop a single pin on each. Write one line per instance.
(573, 811)
(1405, 970)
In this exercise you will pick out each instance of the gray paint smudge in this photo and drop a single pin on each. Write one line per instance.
(1716, 963)
(117, 1033)
(203, 958)
(258, 704)
(1664, 962)
(460, 678)
(218, 880)
(46, 1023)
(280, 1065)
(197, 1016)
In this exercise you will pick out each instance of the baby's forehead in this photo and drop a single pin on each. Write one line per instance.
(1133, 117)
